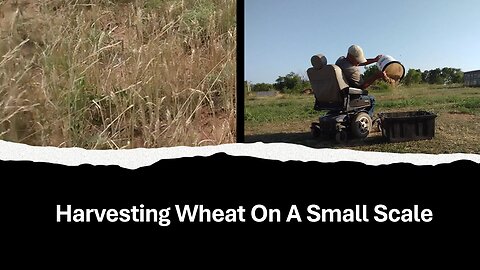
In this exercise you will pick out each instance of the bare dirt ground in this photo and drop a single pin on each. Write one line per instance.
(454, 133)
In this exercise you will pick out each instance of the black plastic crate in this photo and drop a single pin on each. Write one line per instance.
(407, 126)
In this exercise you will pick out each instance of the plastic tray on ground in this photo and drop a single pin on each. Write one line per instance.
(407, 126)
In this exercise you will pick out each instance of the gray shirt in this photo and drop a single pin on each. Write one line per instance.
(351, 72)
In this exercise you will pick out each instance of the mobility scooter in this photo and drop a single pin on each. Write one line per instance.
(349, 110)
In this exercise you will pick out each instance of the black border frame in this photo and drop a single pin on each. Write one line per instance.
(240, 98)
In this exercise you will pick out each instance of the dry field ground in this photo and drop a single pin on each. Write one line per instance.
(287, 118)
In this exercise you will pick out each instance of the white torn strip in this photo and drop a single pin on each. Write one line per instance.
(136, 158)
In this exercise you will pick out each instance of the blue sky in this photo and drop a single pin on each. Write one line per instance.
(282, 35)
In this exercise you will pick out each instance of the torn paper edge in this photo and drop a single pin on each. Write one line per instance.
(140, 157)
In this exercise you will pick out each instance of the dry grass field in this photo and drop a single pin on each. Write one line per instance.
(103, 74)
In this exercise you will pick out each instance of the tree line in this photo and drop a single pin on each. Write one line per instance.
(435, 76)
(445, 75)
(294, 83)
(290, 83)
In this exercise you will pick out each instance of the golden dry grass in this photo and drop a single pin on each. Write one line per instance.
(118, 74)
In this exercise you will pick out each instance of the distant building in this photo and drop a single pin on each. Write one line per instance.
(471, 78)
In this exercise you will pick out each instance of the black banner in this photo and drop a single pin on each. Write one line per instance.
(240, 200)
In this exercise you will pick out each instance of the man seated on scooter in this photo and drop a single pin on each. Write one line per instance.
(349, 66)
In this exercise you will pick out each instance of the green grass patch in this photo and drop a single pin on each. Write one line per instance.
(290, 107)
(279, 109)
(287, 118)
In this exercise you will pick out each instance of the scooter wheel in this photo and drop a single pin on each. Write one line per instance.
(361, 125)
(315, 129)
(341, 137)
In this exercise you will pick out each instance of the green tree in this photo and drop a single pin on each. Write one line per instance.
(452, 75)
(457, 76)
(414, 76)
(435, 76)
(370, 71)
(447, 74)
(288, 83)
(425, 76)
(258, 87)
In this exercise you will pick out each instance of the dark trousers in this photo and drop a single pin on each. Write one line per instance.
(372, 102)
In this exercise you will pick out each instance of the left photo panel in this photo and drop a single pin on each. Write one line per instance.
(100, 74)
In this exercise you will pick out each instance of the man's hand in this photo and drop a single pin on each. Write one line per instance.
(371, 60)
(378, 57)
(381, 75)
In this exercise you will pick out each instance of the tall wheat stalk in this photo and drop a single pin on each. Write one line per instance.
(118, 74)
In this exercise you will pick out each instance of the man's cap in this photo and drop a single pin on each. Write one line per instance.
(357, 53)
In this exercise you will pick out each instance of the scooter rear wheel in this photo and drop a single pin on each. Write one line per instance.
(361, 125)
(315, 129)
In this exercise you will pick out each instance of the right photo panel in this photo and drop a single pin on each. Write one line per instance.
(371, 76)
